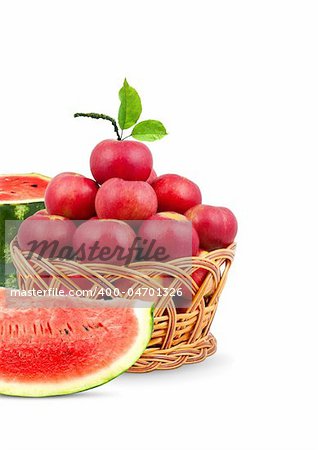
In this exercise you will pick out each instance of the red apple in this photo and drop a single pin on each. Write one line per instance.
(71, 195)
(170, 235)
(107, 241)
(152, 176)
(176, 193)
(129, 160)
(50, 235)
(134, 224)
(216, 225)
(125, 200)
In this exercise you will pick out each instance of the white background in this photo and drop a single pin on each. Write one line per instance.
(235, 83)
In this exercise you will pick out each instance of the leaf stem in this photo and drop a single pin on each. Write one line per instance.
(104, 117)
(126, 137)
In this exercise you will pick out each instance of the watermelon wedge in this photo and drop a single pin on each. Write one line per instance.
(21, 195)
(61, 345)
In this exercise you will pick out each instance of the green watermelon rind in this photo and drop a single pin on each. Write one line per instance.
(15, 210)
(121, 365)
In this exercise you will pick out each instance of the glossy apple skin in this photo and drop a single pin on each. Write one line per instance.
(176, 193)
(152, 176)
(173, 232)
(71, 195)
(46, 228)
(108, 233)
(125, 200)
(216, 226)
(129, 160)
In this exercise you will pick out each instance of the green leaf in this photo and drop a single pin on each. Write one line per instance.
(149, 130)
(130, 106)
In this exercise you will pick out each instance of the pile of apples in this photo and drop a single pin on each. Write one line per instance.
(126, 188)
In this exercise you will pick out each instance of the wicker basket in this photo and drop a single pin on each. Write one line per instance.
(178, 337)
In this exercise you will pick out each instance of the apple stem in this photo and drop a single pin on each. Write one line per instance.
(101, 116)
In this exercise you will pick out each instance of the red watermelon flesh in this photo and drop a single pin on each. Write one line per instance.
(21, 187)
(55, 346)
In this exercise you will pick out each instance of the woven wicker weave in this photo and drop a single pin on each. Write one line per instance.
(178, 337)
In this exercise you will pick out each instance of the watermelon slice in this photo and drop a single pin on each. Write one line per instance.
(20, 197)
(61, 345)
